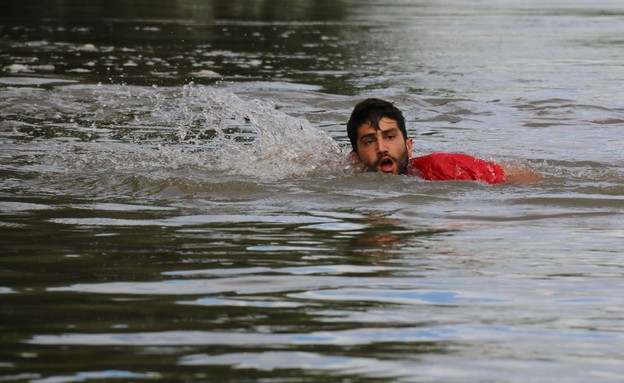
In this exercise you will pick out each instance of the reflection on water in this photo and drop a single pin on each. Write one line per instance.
(154, 229)
(166, 42)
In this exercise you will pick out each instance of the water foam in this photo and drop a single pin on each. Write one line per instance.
(174, 132)
(253, 138)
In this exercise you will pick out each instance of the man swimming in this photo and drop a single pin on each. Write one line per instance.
(379, 140)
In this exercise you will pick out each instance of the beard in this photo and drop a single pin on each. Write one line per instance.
(402, 163)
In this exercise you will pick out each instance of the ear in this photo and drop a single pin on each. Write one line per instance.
(355, 157)
(408, 146)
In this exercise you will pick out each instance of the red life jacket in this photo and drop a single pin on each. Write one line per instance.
(454, 166)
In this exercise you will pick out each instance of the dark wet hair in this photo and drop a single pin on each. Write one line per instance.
(371, 111)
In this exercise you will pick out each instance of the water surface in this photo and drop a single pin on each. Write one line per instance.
(176, 202)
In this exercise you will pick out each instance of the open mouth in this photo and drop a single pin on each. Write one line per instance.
(386, 165)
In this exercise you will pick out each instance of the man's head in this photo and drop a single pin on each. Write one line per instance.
(378, 137)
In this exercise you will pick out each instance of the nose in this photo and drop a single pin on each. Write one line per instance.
(381, 145)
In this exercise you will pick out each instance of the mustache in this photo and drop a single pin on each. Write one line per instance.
(383, 157)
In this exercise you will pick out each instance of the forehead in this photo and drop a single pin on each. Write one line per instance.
(385, 124)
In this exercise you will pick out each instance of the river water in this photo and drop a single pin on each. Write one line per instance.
(176, 202)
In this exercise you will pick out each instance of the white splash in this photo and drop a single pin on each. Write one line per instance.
(175, 132)
(253, 138)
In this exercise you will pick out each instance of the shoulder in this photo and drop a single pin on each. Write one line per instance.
(442, 156)
(457, 166)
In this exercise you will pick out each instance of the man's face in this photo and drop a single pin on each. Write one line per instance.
(384, 150)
